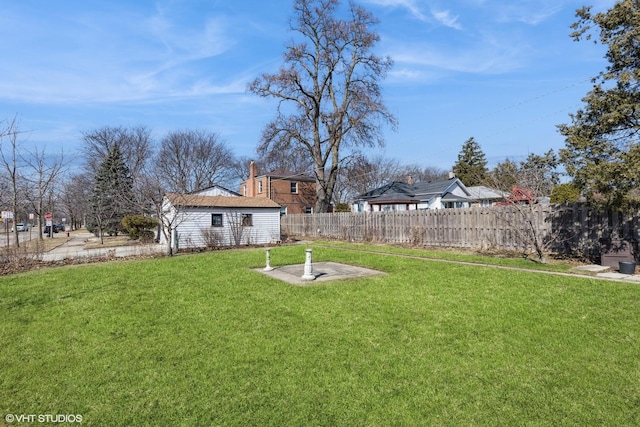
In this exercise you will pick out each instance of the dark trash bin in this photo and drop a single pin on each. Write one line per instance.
(627, 267)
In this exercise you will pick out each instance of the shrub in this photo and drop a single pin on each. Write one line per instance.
(139, 226)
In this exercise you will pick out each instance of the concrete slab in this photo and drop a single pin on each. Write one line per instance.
(635, 278)
(322, 271)
(593, 268)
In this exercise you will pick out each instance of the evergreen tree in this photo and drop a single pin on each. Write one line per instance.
(504, 176)
(565, 193)
(602, 146)
(471, 167)
(112, 197)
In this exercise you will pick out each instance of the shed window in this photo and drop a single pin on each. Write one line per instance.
(247, 220)
(216, 220)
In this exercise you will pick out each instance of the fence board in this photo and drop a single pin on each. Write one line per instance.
(567, 228)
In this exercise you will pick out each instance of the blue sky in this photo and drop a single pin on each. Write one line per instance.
(504, 71)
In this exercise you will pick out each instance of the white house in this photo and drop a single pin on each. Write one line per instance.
(484, 196)
(218, 217)
(402, 196)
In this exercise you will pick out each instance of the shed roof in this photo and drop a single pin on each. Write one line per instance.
(194, 200)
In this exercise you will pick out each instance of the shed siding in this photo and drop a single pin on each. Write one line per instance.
(215, 191)
(196, 223)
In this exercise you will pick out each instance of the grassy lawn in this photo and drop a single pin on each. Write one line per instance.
(512, 259)
(204, 340)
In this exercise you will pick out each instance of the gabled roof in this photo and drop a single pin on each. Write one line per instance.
(215, 187)
(194, 200)
(450, 197)
(432, 188)
(480, 192)
(400, 192)
(400, 189)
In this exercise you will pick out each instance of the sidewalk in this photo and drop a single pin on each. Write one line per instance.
(608, 273)
(74, 248)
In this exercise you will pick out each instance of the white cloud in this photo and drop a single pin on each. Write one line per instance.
(531, 12)
(409, 5)
(445, 18)
(487, 56)
(113, 55)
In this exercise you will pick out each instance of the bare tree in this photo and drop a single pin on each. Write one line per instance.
(294, 159)
(193, 160)
(172, 213)
(9, 158)
(76, 193)
(425, 174)
(328, 90)
(134, 144)
(526, 183)
(363, 173)
(41, 175)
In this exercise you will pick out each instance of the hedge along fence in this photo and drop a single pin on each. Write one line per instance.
(567, 229)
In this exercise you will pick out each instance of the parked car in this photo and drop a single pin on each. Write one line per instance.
(48, 229)
(21, 226)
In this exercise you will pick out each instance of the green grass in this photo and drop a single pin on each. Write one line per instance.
(506, 259)
(204, 340)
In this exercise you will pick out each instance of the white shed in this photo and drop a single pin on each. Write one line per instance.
(200, 220)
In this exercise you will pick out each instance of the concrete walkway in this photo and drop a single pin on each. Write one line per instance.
(74, 248)
(607, 273)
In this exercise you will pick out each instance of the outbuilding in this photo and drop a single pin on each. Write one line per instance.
(218, 217)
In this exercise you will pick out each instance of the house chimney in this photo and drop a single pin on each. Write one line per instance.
(452, 175)
(410, 180)
(251, 181)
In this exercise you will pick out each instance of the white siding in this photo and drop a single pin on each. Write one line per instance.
(215, 191)
(196, 223)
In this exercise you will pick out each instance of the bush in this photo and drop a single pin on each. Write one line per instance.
(139, 227)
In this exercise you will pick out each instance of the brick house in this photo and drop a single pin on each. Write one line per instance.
(294, 192)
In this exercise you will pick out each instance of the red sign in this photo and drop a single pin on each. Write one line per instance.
(48, 216)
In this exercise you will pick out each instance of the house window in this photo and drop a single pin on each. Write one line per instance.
(259, 186)
(216, 220)
(454, 205)
(244, 190)
(283, 210)
(294, 187)
(247, 220)
(308, 209)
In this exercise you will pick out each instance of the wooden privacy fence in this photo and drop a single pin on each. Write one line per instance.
(575, 228)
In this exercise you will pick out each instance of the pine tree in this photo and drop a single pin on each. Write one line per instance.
(112, 197)
(471, 167)
(602, 146)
